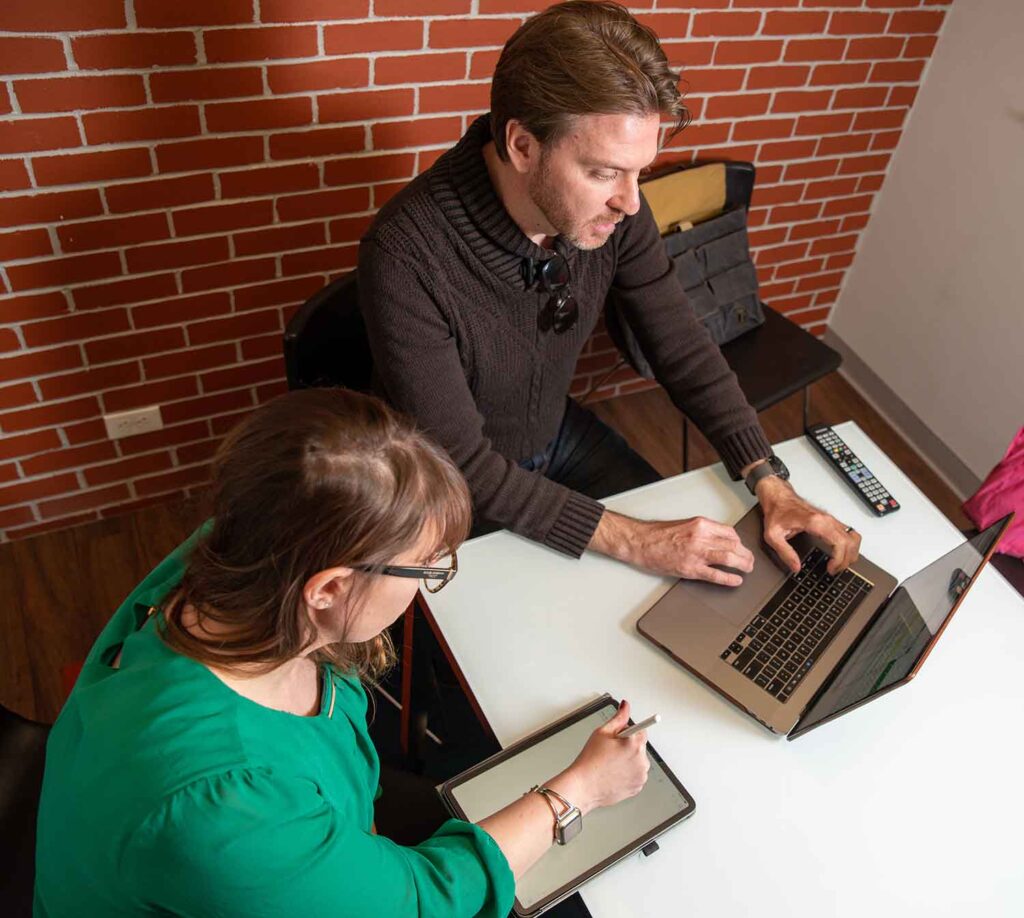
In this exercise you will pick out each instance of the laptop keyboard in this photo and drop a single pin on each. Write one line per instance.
(785, 639)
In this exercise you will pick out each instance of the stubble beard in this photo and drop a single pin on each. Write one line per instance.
(546, 198)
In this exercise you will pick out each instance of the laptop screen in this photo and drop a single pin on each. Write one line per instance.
(895, 641)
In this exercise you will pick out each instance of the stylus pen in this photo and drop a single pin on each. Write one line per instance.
(636, 728)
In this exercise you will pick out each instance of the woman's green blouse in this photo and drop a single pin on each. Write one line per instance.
(166, 792)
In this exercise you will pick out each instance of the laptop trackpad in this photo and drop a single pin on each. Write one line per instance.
(737, 605)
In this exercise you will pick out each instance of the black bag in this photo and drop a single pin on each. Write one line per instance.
(712, 261)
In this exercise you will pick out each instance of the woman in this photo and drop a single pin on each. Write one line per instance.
(213, 758)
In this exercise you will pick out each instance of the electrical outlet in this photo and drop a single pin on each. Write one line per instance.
(130, 423)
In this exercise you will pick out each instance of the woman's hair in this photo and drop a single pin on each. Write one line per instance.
(314, 479)
(581, 58)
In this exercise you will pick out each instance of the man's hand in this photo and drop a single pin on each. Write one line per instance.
(786, 514)
(678, 548)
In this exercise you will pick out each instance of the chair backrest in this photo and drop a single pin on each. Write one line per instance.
(325, 343)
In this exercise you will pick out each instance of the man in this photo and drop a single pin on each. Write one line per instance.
(481, 281)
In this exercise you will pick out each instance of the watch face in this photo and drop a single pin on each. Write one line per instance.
(570, 826)
(779, 467)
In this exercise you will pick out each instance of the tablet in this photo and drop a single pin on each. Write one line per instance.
(609, 833)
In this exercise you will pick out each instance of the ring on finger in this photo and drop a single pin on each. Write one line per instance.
(850, 529)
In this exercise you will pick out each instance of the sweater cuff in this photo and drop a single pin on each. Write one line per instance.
(740, 449)
(574, 528)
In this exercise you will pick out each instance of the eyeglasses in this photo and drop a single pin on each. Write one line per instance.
(434, 579)
(561, 311)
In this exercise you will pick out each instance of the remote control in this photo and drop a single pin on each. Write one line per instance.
(860, 479)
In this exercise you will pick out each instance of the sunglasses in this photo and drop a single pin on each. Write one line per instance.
(434, 579)
(561, 311)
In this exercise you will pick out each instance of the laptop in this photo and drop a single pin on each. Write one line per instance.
(797, 650)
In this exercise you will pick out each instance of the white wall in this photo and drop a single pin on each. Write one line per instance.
(934, 302)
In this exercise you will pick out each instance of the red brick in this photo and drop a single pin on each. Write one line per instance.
(902, 95)
(838, 262)
(475, 33)
(159, 193)
(800, 268)
(833, 74)
(65, 522)
(897, 71)
(848, 205)
(685, 54)
(229, 274)
(854, 223)
(820, 168)
(85, 500)
(813, 230)
(433, 8)
(154, 393)
(206, 83)
(25, 244)
(182, 309)
(88, 381)
(420, 132)
(922, 46)
(15, 516)
(234, 327)
(112, 233)
(168, 436)
(254, 348)
(279, 239)
(482, 64)
(725, 24)
(768, 236)
(358, 38)
(132, 290)
(869, 97)
(68, 457)
(851, 143)
(919, 22)
(764, 129)
(17, 396)
(824, 124)
(348, 73)
(886, 140)
(385, 192)
(189, 155)
(27, 135)
(74, 168)
(173, 481)
(333, 260)
(748, 52)
(322, 204)
(189, 361)
(278, 293)
(772, 77)
(31, 55)
(729, 106)
(28, 444)
(153, 123)
(781, 253)
(49, 415)
(786, 23)
(855, 165)
(216, 218)
(60, 272)
(319, 142)
(247, 374)
(857, 23)
(796, 101)
(197, 452)
(829, 188)
(60, 16)
(207, 406)
(715, 80)
(364, 106)
(158, 14)
(820, 282)
(126, 469)
(269, 180)
(169, 255)
(815, 49)
(34, 490)
(665, 25)
(75, 327)
(795, 212)
(880, 120)
(315, 10)
(124, 347)
(13, 175)
(260, 44)
(420, 68)
(765, 195)
(792, 303)
(290, 111)
(426, 158)
(221, 425)
(135, 51)
(73, 93)
(873, 49)
(31, 306)
(349, 229)
(9, 340)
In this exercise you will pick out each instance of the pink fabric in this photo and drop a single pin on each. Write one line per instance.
(1000, 493)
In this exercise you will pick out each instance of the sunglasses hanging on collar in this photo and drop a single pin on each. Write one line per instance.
(552, 275)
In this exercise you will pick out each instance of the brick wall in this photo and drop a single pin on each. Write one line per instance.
(176, 176)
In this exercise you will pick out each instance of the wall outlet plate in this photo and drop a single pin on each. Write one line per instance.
(130, 423)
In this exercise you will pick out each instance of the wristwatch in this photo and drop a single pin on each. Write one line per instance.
(568, 820)
(772, 466)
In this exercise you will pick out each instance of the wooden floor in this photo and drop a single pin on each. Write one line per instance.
(60, 588)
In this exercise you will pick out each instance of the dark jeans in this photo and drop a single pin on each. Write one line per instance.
(589, 457)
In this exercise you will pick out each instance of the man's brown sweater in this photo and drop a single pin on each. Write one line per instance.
(456, 344)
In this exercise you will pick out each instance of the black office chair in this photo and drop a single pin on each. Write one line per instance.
(22, 754)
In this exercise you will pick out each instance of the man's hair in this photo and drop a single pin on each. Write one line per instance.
(581, 58)
(314, 479)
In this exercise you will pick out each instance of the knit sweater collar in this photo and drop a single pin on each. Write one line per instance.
(461, 185)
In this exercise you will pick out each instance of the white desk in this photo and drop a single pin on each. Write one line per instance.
(909, 806)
